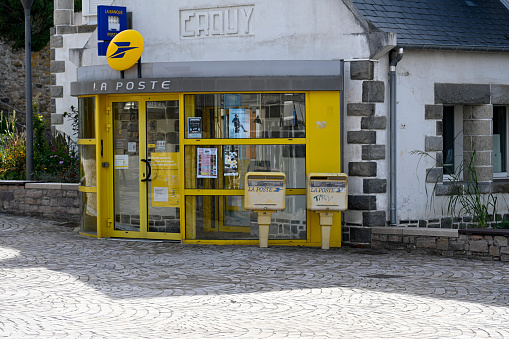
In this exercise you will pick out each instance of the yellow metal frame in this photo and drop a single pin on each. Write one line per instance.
(321, 107)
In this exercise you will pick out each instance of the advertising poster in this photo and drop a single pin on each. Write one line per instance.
(206, 163)
(231, 162)
(165, 180)
(194, 127)
(239, 123)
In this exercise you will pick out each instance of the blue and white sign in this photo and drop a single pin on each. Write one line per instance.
(111, 20)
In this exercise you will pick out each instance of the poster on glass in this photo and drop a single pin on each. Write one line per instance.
(231, 162)
(207, 163)
(239, 121)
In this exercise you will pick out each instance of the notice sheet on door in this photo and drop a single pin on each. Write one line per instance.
(165, 180)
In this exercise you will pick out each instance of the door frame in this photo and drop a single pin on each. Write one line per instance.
(144, 232)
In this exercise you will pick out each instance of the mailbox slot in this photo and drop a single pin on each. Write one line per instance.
(265, 191)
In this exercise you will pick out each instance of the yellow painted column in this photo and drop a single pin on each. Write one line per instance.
(323, 153)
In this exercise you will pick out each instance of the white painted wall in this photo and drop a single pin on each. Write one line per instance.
(278, 30)
(417, 73)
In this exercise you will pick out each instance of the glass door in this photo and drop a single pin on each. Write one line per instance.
(146, 180)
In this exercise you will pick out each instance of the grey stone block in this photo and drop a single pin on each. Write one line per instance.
(57, 66)
(481, 158)
(374, 123)
(57, 119)
(446, 223)
(433, 143)
(434, 175)
(425, 242)
(373, 152)
(52, 54)
(56, 41)
(362, 169)
(484, 174)
(67, 30)
(361, 137)
(53, 79)
(440, 127)
(86, 28)
(466, 94)
(478, 143)
(478, 246)
(64, 4)
(362, 70)
(63, 17)
(477, 127)
(360, 234)
(57, 91)
(362, 202)
(500, 241)
(373, 91)
(482, 112)
(361, 110)
(433, 112)
(500, 187)
(500, 94)
(376, 218)
(374, 186)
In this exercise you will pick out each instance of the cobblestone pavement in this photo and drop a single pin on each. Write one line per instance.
(56, 283)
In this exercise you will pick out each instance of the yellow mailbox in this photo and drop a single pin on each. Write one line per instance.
(327, 193)
(265, 193)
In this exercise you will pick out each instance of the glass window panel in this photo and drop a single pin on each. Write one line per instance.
(88, 222)
(448, 137)
(245, 116)
(86, 108)
(224, 167)
(88, 176)
(499, 139)
(126, 166)
(224, 218)
(163, 154)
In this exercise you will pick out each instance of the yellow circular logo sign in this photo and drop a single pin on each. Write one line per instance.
(125, 50)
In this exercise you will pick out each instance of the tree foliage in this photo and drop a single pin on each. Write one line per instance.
(12, 22)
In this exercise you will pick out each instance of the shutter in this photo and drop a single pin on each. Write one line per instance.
(92, 6)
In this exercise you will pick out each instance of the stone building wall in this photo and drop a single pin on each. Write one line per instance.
(12, 80)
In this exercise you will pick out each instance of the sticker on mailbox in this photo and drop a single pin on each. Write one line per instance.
(322, 186)
(264, 185)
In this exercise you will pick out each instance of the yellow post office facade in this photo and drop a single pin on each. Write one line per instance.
(166, 157)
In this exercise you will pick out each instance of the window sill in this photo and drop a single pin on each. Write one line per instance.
(499, 185)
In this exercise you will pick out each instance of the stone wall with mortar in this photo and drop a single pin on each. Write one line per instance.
(485, 244)
(12, 80)
(47, 200)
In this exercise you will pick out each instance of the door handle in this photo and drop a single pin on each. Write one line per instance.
(149, 170)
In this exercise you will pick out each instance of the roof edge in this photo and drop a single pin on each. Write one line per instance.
(463, 48)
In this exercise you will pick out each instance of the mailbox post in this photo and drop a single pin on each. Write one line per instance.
(327, 193)
(265, 193)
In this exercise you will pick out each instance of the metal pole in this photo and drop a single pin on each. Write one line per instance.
(29, 121)
(393, 211)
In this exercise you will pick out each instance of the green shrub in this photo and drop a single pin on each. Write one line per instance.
(56, 155)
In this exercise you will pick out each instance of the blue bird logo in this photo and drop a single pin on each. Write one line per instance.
(122, 48)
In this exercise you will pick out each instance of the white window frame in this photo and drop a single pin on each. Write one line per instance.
(503, 175)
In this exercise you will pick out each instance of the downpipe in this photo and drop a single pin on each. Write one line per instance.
(393, 211)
